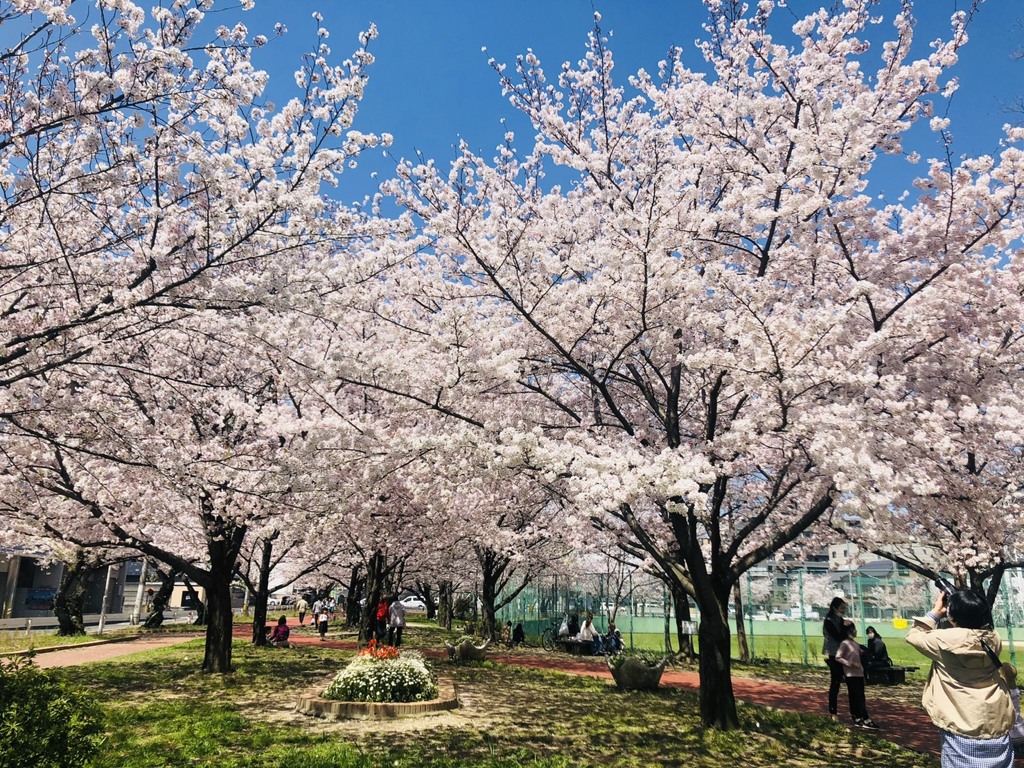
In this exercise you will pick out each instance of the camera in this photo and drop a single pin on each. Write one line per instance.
(946, 588)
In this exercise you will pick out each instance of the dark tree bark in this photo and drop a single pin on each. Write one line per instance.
(717, 700)
(161, 597)
(356, 589)
(377, 586)
(426, 592)
(200, 606)
(496, 571)
(682, 612)
(70, 597)
(445, 604)
(741, 632)
(262, 595)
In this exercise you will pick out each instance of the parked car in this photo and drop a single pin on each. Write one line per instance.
(809, 613)
(413, 603)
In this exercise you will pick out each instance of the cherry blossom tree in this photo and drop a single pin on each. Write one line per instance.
(674, 301)
(157, 215)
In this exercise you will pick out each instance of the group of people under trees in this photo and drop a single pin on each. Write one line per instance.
(389, 621)
(970, 695)
(608, 643)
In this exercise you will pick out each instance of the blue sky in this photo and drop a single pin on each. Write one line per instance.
(431, 83)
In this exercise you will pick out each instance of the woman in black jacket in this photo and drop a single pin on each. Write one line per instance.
(834, 631)
(877, 655)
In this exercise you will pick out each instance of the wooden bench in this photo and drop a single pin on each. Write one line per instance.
(887, 675)
(576, 647)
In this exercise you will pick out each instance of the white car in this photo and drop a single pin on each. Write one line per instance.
(413, 603)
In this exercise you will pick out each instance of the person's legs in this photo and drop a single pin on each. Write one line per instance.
(858, 704)
(835, 670)
(398, 636)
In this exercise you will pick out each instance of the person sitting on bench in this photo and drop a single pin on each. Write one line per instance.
(588, 633)
(877, 656)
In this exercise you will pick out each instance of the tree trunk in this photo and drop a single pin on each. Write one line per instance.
(67, 603)
(445, 604)
(682, 605)
(717, 700)
(161, 598)
(356, 588)
(259, 609)
(426, 592)
(200, 620)
(488, 620)
(217, 655)
(374, 590)
(741, 633)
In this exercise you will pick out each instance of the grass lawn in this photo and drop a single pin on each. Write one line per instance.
(161, 711)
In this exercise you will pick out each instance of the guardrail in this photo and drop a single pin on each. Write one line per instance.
(31, 623)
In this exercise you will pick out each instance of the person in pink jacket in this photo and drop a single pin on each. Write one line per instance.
(853, 669)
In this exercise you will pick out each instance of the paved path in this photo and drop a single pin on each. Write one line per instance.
(86, 653)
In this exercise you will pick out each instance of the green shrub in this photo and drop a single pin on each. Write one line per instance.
(648, 658)
(44, 722)
(462, 607)
(375, 679)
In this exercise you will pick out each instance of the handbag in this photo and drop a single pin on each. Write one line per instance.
(1007, 673)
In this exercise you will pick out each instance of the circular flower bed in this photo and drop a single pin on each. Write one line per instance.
(380, 673)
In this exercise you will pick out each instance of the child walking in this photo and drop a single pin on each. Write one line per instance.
(849, 656)
(322, 620)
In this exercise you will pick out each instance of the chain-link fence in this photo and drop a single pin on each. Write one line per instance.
(781, 608)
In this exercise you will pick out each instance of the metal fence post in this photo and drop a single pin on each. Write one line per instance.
(803, 616)
(750, 615)
(1009, 621)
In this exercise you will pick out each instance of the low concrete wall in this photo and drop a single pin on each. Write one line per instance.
(314, 704)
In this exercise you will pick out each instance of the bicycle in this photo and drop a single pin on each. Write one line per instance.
(549, 635)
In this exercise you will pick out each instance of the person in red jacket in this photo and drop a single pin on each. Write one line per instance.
(279, 636)
(381, 628)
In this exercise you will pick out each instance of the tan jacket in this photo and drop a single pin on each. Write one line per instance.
(963, 694)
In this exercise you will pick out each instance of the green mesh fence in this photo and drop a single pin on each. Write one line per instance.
(781, 609)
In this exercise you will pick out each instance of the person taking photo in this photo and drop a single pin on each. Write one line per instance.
(965, 696)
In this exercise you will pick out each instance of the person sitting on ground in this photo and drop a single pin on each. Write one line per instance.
(877, 656)
(612, 641)
(518, 635)
(279, 637)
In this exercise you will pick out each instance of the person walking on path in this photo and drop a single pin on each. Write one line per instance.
(323, 619)
(834, 630)
(302, 606)
(848, 655)
(396, 622)
(965, 696)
